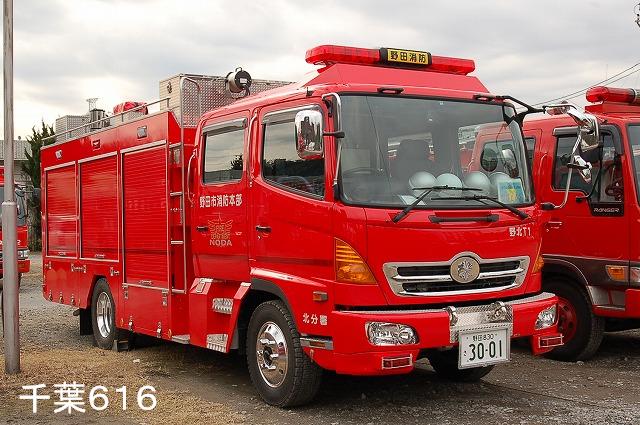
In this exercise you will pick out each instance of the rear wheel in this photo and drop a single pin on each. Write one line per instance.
(581, 329)
(103, 316)
(280, 370)
(445, 363)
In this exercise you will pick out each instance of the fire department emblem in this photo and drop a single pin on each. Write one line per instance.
(220, 233)
(464, 269)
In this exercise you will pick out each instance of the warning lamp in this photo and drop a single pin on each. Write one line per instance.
(413, 59)
(350, 267)
(609, 94)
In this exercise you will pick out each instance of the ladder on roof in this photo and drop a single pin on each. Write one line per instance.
(178, 197)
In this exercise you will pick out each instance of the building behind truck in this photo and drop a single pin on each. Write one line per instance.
(324, 224)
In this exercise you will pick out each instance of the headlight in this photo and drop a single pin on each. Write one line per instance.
(23, 254)
(382, 333)
(547, 317)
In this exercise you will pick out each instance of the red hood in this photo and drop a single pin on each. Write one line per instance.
(416, 240)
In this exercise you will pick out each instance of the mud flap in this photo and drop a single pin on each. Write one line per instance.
(85, 321)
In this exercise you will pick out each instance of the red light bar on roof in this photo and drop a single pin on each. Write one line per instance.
(330, 54)
(609, 94)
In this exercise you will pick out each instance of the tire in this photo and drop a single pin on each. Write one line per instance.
(293, 383)
(103, 314)
(582, 330)
(445, 363)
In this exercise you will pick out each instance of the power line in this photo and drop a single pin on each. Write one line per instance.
(609, 82)
(603, 82)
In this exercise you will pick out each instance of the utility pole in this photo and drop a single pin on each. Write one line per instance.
(9, 210)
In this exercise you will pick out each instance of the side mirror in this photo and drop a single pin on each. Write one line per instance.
(586, 146)
(509, 162)
(309, 134)
(588, 128)
(583, 167)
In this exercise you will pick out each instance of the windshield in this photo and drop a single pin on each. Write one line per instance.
(395, 148)
(22, 207)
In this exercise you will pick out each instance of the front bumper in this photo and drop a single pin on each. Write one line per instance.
(350, 352)
(23, 267)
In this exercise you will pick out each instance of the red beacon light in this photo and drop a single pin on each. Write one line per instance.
(412, 59)
(617, 95)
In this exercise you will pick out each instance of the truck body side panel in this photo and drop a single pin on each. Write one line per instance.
(99, 208)
(145, 217)
(62, 218)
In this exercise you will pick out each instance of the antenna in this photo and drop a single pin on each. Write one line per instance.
(92, 103)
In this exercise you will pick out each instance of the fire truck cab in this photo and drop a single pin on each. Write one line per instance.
(325, 224)
(24, 264)
(592, 261)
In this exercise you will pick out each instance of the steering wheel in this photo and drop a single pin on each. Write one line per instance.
(360, 170)
(291, 181)
(362, 190)
(614, 189)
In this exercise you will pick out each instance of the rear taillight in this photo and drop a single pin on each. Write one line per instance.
(350, 267)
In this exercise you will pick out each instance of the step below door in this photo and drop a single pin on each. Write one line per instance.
(145, 237)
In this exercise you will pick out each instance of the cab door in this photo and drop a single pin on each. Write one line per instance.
(291, 227)
(584, 230)
(220, 211)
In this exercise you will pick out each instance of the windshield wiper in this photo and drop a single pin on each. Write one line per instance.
(427, 190)
(521, 214)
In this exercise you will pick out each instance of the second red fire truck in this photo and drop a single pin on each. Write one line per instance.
(335, 223)
(592, 258)
(24, 264)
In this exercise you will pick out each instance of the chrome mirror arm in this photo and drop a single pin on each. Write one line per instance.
(548, 206)
(337, 112)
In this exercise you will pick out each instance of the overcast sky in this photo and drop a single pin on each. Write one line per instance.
(70, 50)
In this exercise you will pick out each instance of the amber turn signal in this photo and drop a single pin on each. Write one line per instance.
(350, 267)
(537, 266)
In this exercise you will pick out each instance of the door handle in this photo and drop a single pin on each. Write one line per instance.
(202, 228)
(555, 225)
(263, 229)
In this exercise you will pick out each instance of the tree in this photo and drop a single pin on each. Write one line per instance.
(31, 167)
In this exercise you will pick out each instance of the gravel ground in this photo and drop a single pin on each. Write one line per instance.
(197, 385)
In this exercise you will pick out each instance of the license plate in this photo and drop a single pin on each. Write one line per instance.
(484, 347)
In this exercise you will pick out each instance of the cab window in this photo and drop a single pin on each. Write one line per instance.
(530, 142)
(223, 154)
(281, 164)
(608, 187)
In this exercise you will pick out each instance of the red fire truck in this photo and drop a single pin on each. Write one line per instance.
(325, 224)
(595, 273)
(23, 252)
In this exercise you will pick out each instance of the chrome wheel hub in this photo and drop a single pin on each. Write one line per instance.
(104, 315)
(271, 350)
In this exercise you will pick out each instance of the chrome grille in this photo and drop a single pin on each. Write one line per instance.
(430, 279)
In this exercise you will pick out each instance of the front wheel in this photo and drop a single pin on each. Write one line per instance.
(581, 329)
(445, 363)
(280, 370)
